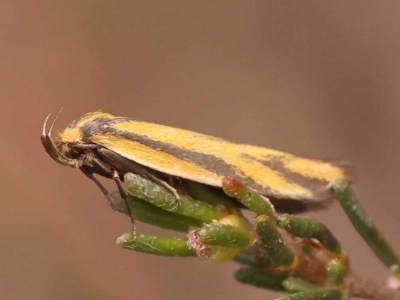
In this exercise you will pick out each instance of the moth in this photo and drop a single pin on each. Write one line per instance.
(110, 146)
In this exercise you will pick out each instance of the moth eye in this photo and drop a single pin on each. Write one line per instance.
(73, 151)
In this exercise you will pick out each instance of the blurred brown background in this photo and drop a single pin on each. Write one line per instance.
(320, 79)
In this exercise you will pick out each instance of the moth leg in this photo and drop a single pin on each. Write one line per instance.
(178, 184)
(124, 196)
(89, 175)
(131, 166)
(115, 176)
(164, 184)
(121, 163)
(172, 190)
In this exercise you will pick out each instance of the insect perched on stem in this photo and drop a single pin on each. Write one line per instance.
(100, 143)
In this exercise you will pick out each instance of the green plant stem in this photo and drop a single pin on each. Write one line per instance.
(157, 245)
(210, 195)
(315, 295)
(296, 285)
(159, 196)
(153, 215)
(260, 278)
(337, 270)
(364, 226)
(309, 228)
(249, 198)
(271, 241)
(215, 234)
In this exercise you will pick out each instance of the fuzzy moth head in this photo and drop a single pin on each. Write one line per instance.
(54, 151)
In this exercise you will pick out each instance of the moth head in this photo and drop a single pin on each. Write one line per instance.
(57, 149)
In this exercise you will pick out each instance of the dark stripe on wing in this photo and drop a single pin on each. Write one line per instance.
(317, 186)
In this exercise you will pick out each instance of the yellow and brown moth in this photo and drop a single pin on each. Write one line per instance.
(110, 146)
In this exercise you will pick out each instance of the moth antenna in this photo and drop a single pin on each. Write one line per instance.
(54, 121)
(45, 125)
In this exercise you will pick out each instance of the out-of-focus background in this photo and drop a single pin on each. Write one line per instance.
(319, 79)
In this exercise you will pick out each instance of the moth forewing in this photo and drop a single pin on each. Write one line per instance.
(207, 160)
